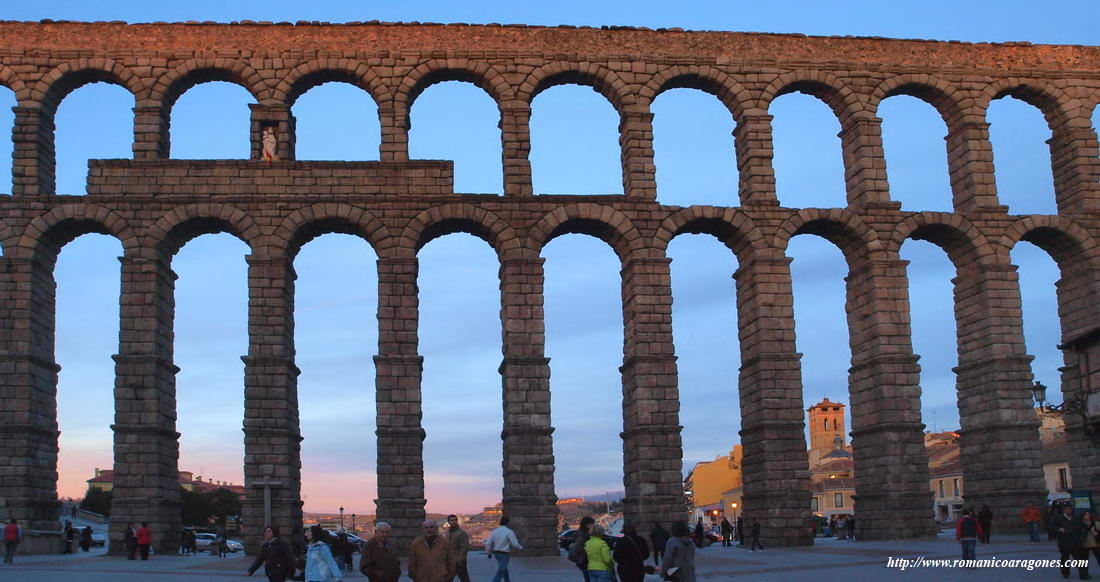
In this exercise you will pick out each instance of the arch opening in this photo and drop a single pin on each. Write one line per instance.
(221, 109)
(7, 127)
(1018, 133)
(808, 160)
(459, 121)
(693, 149)
(916, 160)
(336, 121)
(93, 121)
(574, 143)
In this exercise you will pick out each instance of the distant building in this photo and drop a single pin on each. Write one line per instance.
(104, 479)
(707, 483)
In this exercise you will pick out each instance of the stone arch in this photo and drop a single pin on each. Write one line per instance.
(1050, 100)
(305, 224)
(7, 237)
(704, 78)
(69, 76)
(181, 225)
(732, 228)
(174, 83)
(965, 245)
(949, 101)
(855, 238)
(1064, 240)
(445, 219)
(823, 85)
(48, 233)
(10, 79)
(319, 71)
(602, 222)
(483, 75)
(605, 81)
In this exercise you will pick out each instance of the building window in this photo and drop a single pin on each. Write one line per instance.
(826, 424)
(941, 487)
(838, 500)
(956, 487)
(813, 504)
(1063, 478)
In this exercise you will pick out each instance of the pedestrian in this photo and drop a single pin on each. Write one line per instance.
(297, 554)
(727, 533)
(679, 558)
(320, 565)
(144, 540)
(184, 547)
(347, 551)
(86, 538)
(699, 533)
(460, 547)
(70, 535)
(499, 546)
(851, 526)
(599, 555)
(129, 539)
(1031, 518)
(967, 532)
(754, 532)
(740, 531)
(274, 555)
(841, 528)
(223, 542)
(1089, 543)
(832, 523)
(338, 550)
(985, 518)
(577, 554)
(378, 562)
(430, 556)
(658, 536)
(12, 536)
(1069, 532)
(192, 543)
(630, 554)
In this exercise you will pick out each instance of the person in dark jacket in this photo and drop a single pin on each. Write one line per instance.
(129, 539)
(967, 532)
(985, 517)
(577, 554)
(727, 533)
(86, 538)
(298, 553)
(1069, 532)
(679, 558)
(274, 555)
(630, 554)
(851, 525)
(754, 533)
(658, 536)
(70, 535)
(740, 531)
(699, 533)
(377, 561)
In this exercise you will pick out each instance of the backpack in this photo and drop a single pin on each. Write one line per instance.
(577, 555)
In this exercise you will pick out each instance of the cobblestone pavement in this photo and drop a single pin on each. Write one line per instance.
(829, 559)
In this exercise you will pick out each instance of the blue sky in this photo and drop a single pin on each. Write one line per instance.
(574, 150)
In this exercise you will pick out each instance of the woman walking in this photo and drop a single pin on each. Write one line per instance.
(630, 554)
(679, 561)
(320, 565)
(599, 555)
(274, 555)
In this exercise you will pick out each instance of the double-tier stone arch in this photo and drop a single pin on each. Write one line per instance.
(11, 79)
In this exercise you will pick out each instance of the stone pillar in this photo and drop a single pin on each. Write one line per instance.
(272, 436)
(636, 148)
(398, 370)
(752, 142)
(33, 163)
(28, 409)
(1080, 319)
(776, 464)
(893, 499)
(652, 450)
(864, 162)
(280, 119)
(146, 482)
(999, 441)
(970, 164)
(529, 498)
(515, 133)
(151, 133)
(395, 132)
(1075, 163)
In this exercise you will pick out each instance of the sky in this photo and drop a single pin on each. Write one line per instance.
(574, 150)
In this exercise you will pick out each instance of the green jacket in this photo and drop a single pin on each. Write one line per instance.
(599, 555)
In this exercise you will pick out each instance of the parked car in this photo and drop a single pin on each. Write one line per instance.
(99, 539)
(234, 546)
(565, 538)
(206, 542)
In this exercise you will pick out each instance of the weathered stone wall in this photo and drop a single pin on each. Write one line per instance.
(155, 205)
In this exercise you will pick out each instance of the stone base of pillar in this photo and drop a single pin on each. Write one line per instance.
(784, 518)
(894, 516)
(1007, 506)
(535, 521)
(406, 518)
(162, 516)
(650, 509)
(286, 513)
(39, 541)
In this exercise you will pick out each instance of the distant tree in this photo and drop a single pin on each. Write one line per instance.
(222, 503)
(198, 508)
(194, 507)
(96, 500)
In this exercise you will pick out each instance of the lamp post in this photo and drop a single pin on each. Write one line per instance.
(353, 523)
(341, 518)
(1077, 404)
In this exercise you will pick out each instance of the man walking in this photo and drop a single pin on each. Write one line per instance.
(499, 546)
(967, 532)
(377, 561)
(460, 547)
(740, 531)
(430, 556)
(658, 536)
(1031, 520)
(12, 535)
(144, 540)
(755, 533)
(727, 533)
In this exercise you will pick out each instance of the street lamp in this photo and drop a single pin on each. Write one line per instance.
(341, 518)
(353, 523)
(1077, 404)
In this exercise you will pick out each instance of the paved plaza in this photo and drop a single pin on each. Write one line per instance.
(828, 560)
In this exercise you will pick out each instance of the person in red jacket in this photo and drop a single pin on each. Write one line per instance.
(11, 540)
(967, 532)
(144, 539)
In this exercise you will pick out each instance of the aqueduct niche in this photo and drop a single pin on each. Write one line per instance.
(154, 205)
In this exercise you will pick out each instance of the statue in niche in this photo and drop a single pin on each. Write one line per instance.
(270, 142)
